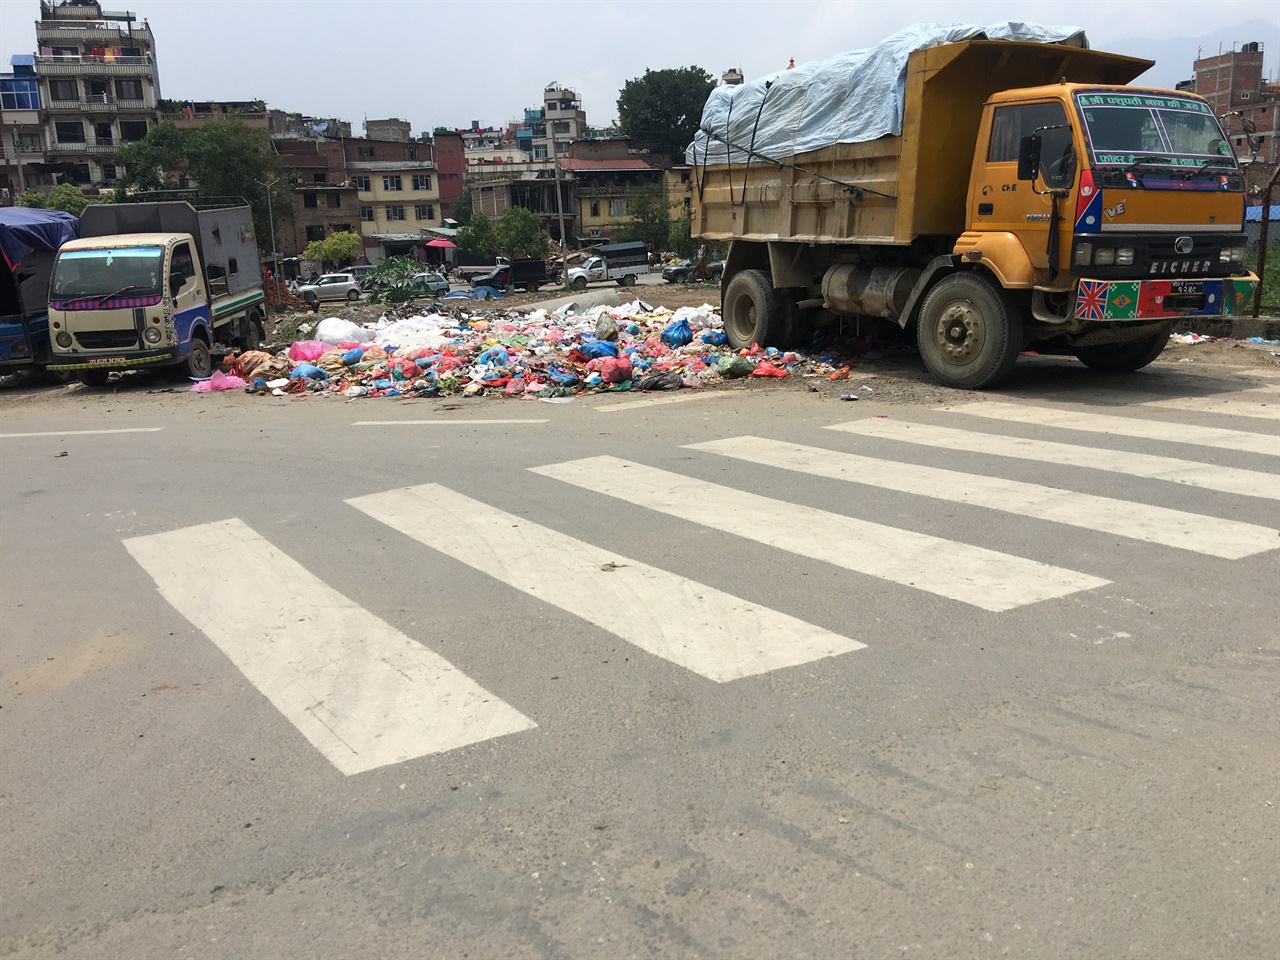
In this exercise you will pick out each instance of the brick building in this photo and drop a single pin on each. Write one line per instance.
(1233, 84)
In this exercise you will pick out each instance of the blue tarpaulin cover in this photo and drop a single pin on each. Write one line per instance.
(849, 98)
(23, 229)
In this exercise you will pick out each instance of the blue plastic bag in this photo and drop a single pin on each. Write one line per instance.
(677, 334)
(496, 355)
(717, 338)
(561, 377)
(308, 370)
(595, 349)
(352, 357)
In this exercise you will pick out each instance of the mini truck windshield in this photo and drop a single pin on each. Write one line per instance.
(131, 271)
(1126, 129)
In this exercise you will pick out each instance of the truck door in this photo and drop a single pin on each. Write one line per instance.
(999, 202)
(185, 292)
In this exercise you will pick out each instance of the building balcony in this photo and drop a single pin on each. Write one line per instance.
(103, 146)
(87, 66)
(89, 31)
(103, 103)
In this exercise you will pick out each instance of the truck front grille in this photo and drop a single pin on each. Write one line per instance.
(107, 339)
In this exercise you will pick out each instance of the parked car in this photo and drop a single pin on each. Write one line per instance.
(686, 271)
(360, 270)
(332, 286)
(434, 283)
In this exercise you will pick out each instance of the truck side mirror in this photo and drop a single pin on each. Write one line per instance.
(1029, 157)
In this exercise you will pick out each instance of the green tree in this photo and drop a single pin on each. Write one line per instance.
(519, 233)
(650, 216)
(461, 209)
(664, 105)
(680, 237)
(227, 158)
(65, 197)
(337, 248)
(479, 237)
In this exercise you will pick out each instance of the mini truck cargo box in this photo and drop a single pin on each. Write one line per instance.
(156, 284)
(915, 193)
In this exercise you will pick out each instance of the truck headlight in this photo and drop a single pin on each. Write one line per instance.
(1124, 256)
(1231, 255)
(1104, 256)
(152, 335)
(64, 339)
(1083, 255)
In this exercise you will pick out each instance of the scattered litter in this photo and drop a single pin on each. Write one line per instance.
(849, 396)
(219, 381)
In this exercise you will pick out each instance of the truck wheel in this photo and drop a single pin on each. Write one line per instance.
(751, 311)
(253, 339)
(969, 333)
(199, 363)
(532, 288)
(94, 378)
(629, 280)
(579, 283)
(1125, 357)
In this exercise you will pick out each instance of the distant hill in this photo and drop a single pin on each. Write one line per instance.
(1174, 57)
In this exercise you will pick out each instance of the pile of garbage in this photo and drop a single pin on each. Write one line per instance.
(532, 355)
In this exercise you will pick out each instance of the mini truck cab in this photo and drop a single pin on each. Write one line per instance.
(131, 293)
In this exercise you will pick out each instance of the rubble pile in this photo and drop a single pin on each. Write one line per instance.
(529, 355)
(286, 298)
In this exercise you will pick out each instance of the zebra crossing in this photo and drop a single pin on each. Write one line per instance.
(366, 695)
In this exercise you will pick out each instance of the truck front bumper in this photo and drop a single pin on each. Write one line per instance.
(114, 361)
(1141, 300)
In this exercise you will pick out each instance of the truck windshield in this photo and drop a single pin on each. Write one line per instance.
(1134, 128)
(131, 271)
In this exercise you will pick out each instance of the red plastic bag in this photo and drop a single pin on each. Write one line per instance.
(766, 369)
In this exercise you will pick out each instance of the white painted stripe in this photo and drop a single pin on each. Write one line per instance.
(711, 633)
(80, 433)
(682, 397)
(1206, 476)
(973, 575)
(1262, 403)
(436, 423)
(362, 692)
(1138, 521)
(1123, 426)
(1165, 227)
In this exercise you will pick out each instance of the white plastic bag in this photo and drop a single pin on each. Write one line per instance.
(335, 330)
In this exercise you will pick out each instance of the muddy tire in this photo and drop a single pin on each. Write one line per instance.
(199, 362)
(628, 281)
(969, 333)
(253, 339)
(93, 378)
(580, 283)
(1125, 357)
(752, 313)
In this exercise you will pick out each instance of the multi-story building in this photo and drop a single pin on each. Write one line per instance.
(21, 130)
(98, 86)
(325, 199)
(190, 114)
(392, 129)
(398, 193)
(605, 175)
(1232, 82)
(451, 168)
(563, 121)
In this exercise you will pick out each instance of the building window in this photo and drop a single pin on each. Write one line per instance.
(411, 153)
(19, 95)
(77, 173)
(1244, 94)
(561, 147)
(595, 208)
(315, 233)
(335, 199)
(340, 227)
(366, 153)
(422, 181)
(395, 212)
(232, 266)
(309, 201)
(64, 90)
(129, 89)
(132, 130)
(392, 182)
(560, 126)
(108, 174)
(317, 178)
(69, 131)
(618, 207)
(366, 214)
(362, 184)
(424, 211)
(72, 52)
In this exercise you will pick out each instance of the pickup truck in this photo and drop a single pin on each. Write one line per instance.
(622, 262)
(467, 268)
(155, 284)
(521, 274)
(29, 241)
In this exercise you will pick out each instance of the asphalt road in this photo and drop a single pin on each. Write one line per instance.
(995, 676)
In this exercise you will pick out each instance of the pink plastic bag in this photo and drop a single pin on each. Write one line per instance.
(615, 369)
(219, 381)
(309, 350)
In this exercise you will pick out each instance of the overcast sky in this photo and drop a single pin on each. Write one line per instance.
(448, 63)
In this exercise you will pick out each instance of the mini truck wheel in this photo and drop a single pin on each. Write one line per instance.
(580, 283)
(752, 313)
(199, 362)
(969, 333)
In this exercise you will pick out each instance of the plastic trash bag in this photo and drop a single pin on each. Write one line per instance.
(606, 328)
(219, 381)
(615, 369)
(766, 369)
(666, 380)
(309, 350)
(352, 357)
(335, 330)
(308, 370)
(595, 349)
(715, 338)
(677, 334)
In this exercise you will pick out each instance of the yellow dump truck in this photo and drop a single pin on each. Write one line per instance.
(996, 194)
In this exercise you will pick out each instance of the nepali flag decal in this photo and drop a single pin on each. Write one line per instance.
(1088, 205)
(1091, 299)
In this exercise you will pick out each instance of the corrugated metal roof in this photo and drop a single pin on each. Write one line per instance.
(621, 163)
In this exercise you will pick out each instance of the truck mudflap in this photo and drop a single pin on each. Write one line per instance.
(1163, 299)
(117, 361)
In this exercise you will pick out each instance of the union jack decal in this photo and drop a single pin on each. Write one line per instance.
(1091, 299)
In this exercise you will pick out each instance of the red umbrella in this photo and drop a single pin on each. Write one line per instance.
(441, 242)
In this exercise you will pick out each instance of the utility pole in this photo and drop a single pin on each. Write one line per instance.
(564, 240)
(275, 254)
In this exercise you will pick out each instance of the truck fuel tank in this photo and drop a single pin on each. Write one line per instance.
(853, 289)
